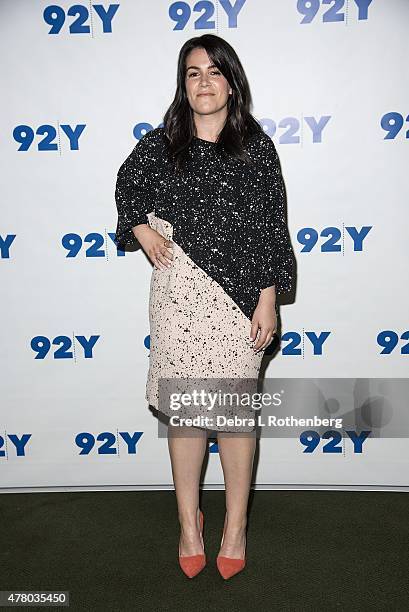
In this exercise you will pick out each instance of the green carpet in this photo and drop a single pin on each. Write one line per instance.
(117, 551)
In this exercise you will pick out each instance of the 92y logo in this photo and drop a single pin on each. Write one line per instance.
(311, 440)
(77, 17)
(340, 10)
(297, 130)
(335, 238)
(51, 136)
(43, 346)
(202, 13)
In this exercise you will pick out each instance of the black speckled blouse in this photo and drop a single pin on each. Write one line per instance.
(227, 216)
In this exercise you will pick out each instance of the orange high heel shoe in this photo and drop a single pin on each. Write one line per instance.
(194, 564)
(229, 566)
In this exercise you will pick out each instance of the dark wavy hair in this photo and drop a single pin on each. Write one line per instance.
(240, 125)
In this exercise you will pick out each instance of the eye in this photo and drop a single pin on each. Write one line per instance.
(191, 74)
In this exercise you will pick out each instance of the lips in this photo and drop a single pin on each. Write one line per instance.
(205, 94)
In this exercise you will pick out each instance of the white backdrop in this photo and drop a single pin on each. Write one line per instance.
(79, 88)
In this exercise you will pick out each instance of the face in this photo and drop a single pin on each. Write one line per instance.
(207, 89)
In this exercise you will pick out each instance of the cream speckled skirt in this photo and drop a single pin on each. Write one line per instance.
(197, 332)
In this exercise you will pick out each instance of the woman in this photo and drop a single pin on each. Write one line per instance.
(204, 197)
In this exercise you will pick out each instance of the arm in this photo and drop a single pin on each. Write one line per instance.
(278, 255)
(134, 194)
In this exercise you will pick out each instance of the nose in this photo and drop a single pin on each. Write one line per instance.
(204, 80)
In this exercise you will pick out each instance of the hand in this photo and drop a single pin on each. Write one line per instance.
(152, 243)
(264, 319)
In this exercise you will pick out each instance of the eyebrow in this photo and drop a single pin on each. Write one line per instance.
(197, 67)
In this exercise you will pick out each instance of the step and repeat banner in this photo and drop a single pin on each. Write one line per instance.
(82, 82)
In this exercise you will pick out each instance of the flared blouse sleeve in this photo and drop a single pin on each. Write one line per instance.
(277, 263)
(134, 191)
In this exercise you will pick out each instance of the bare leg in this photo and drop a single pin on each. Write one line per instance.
(187, 446)
(236, 455)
